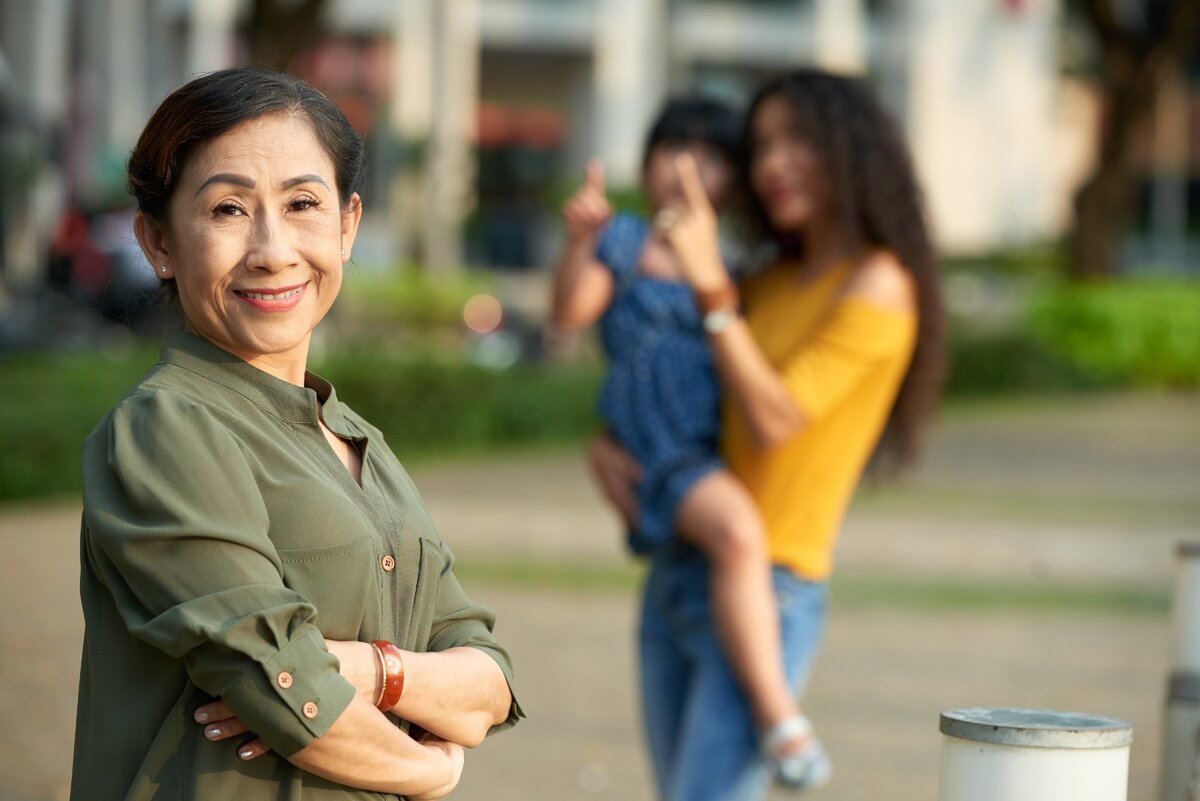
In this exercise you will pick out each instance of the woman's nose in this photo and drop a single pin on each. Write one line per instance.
(270, 247)
(770, 161)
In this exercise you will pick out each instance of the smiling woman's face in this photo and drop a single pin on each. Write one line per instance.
(255, 239)
(785, 170)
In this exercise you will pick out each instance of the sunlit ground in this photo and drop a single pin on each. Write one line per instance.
(1028, 562)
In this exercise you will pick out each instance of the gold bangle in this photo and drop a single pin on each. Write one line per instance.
(382, 674)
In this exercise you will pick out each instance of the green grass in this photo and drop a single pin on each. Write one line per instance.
(554, 575)
(1054, 504)
(851, 592)
(943, 595)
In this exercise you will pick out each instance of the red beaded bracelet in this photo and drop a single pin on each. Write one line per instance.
(393, 674)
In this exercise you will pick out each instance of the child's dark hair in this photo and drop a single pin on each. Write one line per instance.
(695, 118)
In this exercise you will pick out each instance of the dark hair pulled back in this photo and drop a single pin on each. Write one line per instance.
(213, 104)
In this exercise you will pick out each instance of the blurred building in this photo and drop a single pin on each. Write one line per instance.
(480, 114)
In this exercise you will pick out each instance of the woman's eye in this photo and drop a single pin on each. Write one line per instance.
(300, 204)
(228, 209)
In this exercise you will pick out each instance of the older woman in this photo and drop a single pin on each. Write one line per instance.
(269, 610)
(838, 352)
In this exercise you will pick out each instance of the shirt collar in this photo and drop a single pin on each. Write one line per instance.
(316, 399)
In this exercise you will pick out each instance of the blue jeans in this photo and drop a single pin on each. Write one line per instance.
(699, 729)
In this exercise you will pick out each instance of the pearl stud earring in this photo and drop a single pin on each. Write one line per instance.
(163, 269)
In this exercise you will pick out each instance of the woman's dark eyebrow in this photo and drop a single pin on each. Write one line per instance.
(304, 179)
(248, 183)
(227, 178)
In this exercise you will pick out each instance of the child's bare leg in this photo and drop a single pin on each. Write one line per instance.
(720, 518)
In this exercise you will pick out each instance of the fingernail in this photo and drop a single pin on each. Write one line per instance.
(201, 717)
(246, 753)
(212, 732)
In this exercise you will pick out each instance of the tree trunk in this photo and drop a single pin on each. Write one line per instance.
(1102, 212)
(1136, 72)
(278, 31)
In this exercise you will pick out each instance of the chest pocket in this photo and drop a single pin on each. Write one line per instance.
(338, 580)
(416, 618)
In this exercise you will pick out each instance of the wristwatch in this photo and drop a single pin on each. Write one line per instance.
(719, 307)
(718, 320)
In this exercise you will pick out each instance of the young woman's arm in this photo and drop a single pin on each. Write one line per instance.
(758, 391)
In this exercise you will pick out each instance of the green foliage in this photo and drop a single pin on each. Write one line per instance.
(422, 405)
(626, 198)
(53, 401)
(405, 297)
(1141, 333)
(1007, 362)
(1041, 260)
(1131, 333)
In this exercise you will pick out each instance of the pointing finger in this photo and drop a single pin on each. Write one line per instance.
(689, 179)
(594, 176)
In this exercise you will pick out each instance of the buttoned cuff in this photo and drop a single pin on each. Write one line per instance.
(294, 697)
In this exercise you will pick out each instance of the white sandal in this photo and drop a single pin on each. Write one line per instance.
(805, 769)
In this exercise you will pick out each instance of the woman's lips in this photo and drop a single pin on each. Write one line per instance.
(272, 300)
(781, 194)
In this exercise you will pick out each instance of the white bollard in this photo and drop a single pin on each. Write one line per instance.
(1181, 742)
(1185, 610)
(1001, 754)
(1181, 721)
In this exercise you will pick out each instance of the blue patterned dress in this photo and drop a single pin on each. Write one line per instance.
(660, 398)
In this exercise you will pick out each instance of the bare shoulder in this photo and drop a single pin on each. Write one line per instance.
(883, 280)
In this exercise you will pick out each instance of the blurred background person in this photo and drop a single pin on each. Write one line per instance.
(840, 350)
(660, 401)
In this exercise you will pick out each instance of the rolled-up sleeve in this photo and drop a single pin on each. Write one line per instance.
(178, 533)
(459, 623)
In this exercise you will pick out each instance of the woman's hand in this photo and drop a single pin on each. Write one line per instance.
(456, 756)
(617, 473)
(220, 724)
(691, 228)
(358, 666)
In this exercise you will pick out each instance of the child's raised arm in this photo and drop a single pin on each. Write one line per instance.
(582, 286)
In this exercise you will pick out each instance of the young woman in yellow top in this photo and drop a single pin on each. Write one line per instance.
(838, 356)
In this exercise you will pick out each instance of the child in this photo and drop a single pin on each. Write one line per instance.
(661, 401)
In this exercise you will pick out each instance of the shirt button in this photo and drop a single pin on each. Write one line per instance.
(284, 679)
(309, 710)
(389, 563)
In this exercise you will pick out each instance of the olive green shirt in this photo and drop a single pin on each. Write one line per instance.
(222, 541)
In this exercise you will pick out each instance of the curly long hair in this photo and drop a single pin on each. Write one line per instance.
(879, 205)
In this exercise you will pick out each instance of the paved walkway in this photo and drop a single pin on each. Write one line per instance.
(1089, 494)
